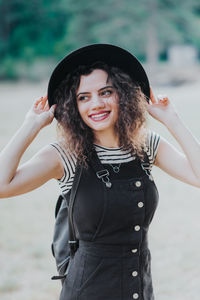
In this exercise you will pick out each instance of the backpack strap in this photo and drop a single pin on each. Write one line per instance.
(58, 204)
(73, 242)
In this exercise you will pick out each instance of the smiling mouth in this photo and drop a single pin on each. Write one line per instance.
(99, 117)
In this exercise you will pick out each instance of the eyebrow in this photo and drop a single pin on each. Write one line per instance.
(105, 87)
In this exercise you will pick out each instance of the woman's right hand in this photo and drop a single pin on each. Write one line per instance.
(40, 113)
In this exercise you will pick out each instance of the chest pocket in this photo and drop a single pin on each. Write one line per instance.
(125, 206)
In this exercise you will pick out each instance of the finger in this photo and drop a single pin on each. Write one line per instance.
(46, 107)
(45, 99)
(166, 101)
(38, 101)
(153, 100)
(52, 109)
(39, 107)
(43, 103)
(163, 99)
(162, 96)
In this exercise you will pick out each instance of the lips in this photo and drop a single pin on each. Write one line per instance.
(99, 116)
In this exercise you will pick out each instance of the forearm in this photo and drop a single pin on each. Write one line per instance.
(10, 156)
(189, 144)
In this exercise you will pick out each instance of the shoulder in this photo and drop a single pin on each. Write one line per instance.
(153, 139)
(59, 148)
(152, 143)
(48, 154)
(51, 157)
(47, 159)
(67, 160)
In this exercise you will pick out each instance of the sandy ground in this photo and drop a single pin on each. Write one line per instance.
(26, 221)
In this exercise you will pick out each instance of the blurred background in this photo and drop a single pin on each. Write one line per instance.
(34, 36)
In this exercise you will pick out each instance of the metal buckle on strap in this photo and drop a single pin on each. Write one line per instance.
(145, 165)
(103, 175)
(72, 242)
(146, 168)
(73, 246)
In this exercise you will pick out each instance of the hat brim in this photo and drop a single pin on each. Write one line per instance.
(110, 54)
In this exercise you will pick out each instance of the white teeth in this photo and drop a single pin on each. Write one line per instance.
(99, 116)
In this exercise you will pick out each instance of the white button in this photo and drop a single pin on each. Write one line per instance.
(138, 183)
(140, 204)
(134, 250)
(135, 296)
(134, 273)
(137, 228)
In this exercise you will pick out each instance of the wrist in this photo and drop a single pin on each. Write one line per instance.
(32, 125)
(173, 121)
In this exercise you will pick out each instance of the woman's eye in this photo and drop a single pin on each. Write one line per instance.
(81, 98)
(107, 93)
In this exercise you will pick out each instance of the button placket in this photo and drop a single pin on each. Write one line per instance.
(134, 273)
(136, 228)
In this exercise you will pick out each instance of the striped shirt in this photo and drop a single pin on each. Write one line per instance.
(106, 156)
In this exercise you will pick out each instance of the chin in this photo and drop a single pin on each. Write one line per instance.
(100, 127)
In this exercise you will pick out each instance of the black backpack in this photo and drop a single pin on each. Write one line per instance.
(64, 243)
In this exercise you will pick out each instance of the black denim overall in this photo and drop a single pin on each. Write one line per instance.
(113, 261)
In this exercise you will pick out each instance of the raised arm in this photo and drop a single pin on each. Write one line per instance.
(15, 179)
(185, 165)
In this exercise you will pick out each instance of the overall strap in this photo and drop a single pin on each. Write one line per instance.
(73, 242)
(145, 164)
(99, 169)
(103, 173)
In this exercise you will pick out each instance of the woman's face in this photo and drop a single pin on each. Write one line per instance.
(97, 101)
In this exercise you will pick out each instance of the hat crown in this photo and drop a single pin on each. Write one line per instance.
(110, 54)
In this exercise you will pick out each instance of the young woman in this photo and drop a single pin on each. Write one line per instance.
(100, 95)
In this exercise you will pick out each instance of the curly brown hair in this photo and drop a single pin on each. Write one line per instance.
(77, 137)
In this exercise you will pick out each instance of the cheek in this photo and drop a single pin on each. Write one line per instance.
(82, 108)
(114, 103)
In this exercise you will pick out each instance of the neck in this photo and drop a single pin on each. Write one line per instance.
(108, 139)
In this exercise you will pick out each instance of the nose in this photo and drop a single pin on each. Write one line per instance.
(97, 102)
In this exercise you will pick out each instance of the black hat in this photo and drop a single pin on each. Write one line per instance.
(109, 54)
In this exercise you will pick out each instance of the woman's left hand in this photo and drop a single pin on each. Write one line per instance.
(161, 109)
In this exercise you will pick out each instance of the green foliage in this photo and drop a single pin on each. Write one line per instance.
(29, 29)
(140, 26)
(37, 29)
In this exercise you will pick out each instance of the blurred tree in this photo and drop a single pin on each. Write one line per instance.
(29, 29)
(178, 22)
(145, 27)
(43, 28)
(108, 21)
